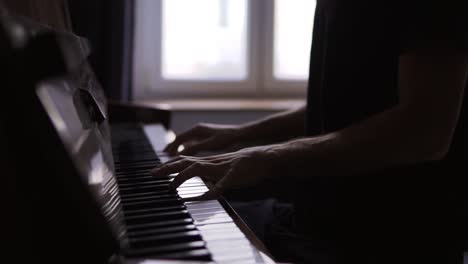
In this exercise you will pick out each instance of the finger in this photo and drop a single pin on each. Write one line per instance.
(172, 147)
(168, 169)
(185, 175)
(212, 194)
(207, 144)
(175, 159)
(189, 158)
(216, 191)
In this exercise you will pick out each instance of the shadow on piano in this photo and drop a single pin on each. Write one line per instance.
(80, 183)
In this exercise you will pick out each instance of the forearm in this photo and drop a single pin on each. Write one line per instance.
(389, 139)
(277, 127)
(419, 129)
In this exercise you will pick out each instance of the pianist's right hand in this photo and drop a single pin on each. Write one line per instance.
(278, 127)
(206, 137)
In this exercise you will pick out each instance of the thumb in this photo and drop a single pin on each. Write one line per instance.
(215, 191)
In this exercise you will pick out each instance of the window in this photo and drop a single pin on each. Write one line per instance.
(222, 47)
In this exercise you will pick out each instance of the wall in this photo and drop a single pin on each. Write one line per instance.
(183, 120)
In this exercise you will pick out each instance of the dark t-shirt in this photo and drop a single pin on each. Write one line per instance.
(355, 52)
(353, 75)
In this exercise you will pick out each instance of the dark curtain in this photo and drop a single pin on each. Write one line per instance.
(108, 25)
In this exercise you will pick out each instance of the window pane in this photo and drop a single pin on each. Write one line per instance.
(293, 38)
(204, 39)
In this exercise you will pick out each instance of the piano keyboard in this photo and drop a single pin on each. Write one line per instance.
(159, 223)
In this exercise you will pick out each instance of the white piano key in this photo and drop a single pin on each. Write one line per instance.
(226, 226)
(194, 181)
(202, 203)
(237, 258)
(222, 236)
(194, 189)
(201, 216)
(191, 195)
(190, 188)
(222, 231)
(206, 210)
(225, 245)
(224, 239)
(158, 136)
(191, 185)
(213, 221)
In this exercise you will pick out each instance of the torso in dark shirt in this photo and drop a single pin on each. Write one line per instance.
(353, 75)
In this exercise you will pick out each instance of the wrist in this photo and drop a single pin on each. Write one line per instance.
(278, 158)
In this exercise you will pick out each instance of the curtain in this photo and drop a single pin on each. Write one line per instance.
(52, 13)
(108, 24)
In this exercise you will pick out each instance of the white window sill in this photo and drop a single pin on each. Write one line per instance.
(224, 104)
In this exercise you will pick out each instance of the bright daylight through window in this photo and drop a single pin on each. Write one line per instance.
(214, 47)
(216, 31)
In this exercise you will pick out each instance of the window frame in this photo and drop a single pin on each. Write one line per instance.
(260, 81)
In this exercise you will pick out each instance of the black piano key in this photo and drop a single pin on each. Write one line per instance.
(161, 240)
(149, 199)
(143, 185)
(126, 159)
(134, 174)
(199, 254)
(156, 217)
(142, 180)
(161, 231)
(136, 178)
(135, 171)
(141, 205)
(130, 150)
(127, 182)
(162, 224)
(145, 189)
(154, 251)
(136, 144)
(136, 158)
(155, 210)
(132, 160)
(137, 165)
(149, 182)
(158, 223)
(145, 195)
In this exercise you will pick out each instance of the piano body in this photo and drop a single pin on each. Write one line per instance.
(78, 168)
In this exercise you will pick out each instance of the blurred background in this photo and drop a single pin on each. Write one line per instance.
(223, 61)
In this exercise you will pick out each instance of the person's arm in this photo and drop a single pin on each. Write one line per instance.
(277, 127)
(212, 137)
(418, 129)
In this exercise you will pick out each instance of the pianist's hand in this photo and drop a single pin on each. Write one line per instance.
(205, 137)
(229, 171)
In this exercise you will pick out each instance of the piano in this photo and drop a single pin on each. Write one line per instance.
(78, 168)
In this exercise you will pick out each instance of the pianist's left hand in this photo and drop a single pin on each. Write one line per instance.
(234, 170)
